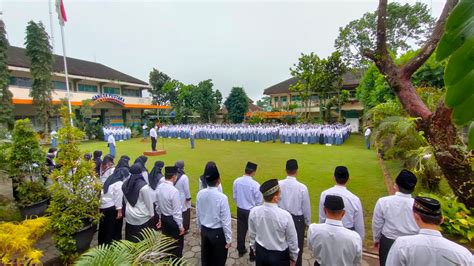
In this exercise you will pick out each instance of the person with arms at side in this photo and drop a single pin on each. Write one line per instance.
(295, 200)
(168, 208)
(367, 134)
(111, 144)
(98, 161)
(272, 231)
(202, 178)
(156, 178)
(182, 184)
(393, 215)
(213, 219)
(192, 132)
(138, 204)
(141, 160)
(107, 167)
(330, 242)
(246, 193)
(354, 213)
(154, 137)
(428, 247)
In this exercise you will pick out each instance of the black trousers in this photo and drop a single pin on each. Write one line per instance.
(300, 228)
(110, 228)
(170, 228)
(133, 232)
(242, 228)
(265, 257)
(213, 251)
(385, 245)
(153, 144)
(186, 219)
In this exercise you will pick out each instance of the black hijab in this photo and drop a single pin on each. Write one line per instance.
(118, 175)
(131, 187)
(142, 161)
(107, 163)
(202, 177)
(123, 163)
(98, 161)
(180, 167)
(156, 175)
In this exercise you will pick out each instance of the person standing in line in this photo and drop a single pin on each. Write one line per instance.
(202, 178)
(367, 134)
(168, 208)
(154, 179)
(111, 144)
(191, 137)
(54, 138)
(153, 136)
(246, 194)
(107, 167)
(138, 204)
(295, 200)
(98, 161)
(144, 128)
(354, 213)
(213, 219)
(428, 247)
(330, 242)
(182, 184)
(272, 231)
(393, 215)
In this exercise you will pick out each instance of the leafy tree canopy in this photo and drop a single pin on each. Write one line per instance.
(237, 105)
(6, 112)
(157, 80)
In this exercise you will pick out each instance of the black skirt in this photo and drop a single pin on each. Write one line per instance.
(133, 232)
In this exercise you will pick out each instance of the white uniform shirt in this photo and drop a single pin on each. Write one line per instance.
(183, 187)
(113, 197)
(246, 193)
(428, 248)
(273, 229)
(213, 211)
(367, 132)
(332, 244)
(142, 212)
(168, 202)
(106, 174)
(354, 217)
(153, 133)
(295, 198)
(111, 139)
(393, 217)
(201, 187)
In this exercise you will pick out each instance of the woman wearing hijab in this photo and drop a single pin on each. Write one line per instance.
(98, 161)
(182, 184)
(142, 161)
(138, 197)
(110, 226)
(156, 178)
(202, 179)
(106, 167)
(123, 162)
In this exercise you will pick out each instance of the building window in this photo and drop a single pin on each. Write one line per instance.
(283, 99)
(112, 90)
(295, 98)
(131, 92)
(59, 85)
(21, 82)
(87, 88)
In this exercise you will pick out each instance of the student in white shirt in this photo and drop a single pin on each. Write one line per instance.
(106, 167)
(111, 144)
(330, 242)
(367, 137)
(154, 137)
(428, 247)
(393, 215)
(202, 178)
(182, 184)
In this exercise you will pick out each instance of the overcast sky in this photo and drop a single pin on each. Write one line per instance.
(249, 44)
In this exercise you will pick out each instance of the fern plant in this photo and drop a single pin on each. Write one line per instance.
(152, 250)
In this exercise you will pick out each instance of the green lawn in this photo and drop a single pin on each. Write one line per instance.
(316, 164)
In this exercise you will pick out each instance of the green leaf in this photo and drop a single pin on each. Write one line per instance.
(464, 113)
(471, 136)
(460, 64)
(457, 93)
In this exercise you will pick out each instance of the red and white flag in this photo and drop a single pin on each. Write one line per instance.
(61, 11)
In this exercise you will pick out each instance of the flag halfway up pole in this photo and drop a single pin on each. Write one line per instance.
(63, 18)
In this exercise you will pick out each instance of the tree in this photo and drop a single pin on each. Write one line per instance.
(338, 100)
(206, 100)
(6, 112)
(237, 105)
(265, 103)
(405, 25)
(330, 80)
(38, 49)
(170, 90)
(437, 126)
(157, 80)
(185, 102)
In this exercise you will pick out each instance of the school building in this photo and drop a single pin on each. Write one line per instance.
(117, 97)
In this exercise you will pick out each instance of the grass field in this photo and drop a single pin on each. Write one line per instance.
(316, 165)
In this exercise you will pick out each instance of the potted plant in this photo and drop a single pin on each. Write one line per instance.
(75, 194)
(27, 168)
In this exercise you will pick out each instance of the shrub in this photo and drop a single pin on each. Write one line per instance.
(17, 240)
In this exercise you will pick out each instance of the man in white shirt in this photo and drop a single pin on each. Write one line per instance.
(393, 215)
(111, 144)
(182, 184)
(153, 136)
(168, 208)
(367, 137)
(354, 216)
(144, 127)
(246, 193)
(295, 200)
(428, 247)
(213, 219)
(271, 229)
(330, 242)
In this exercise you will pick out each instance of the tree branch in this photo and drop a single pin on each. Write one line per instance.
(382, 27)
(430, 45)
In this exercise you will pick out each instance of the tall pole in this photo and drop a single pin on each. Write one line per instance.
(65, 71)
(51, 23)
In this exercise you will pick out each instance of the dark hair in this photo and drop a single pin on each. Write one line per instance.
(212, 183)
(405, 191)
(248, 171)
(169, 176)
(291, 172)
(430, 219)
(341, 181)
(269, 198)
(334, 212)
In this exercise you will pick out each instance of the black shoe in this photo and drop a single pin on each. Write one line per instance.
(241, 254)
(252, 256)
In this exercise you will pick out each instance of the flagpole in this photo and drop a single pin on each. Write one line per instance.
(65, 72)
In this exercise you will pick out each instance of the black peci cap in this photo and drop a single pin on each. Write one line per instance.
(291, 165)
(341, 172)
(427, 206)
(251, 166)
(334, 203)
(211, 173)
(406, 180)
(170, 170)
(269, 187)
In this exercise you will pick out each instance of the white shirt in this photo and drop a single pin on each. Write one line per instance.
(428, 248)
(153, 133)
(106, 174)
(273, 229)
(354, 217)
(111, 139)
(201, 187)
(367, 132)
(113, 197)
(168, 202)
(213, 211)
(246, 193)
(142, 212)
(393, 217)
(184, 194)
(295, 198)
(332, 244)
